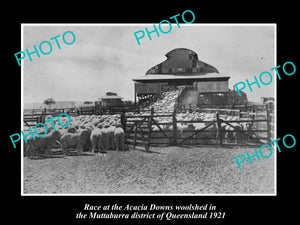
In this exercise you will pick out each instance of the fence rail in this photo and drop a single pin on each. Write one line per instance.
(212, 133)
(243, 107)
(149, 129)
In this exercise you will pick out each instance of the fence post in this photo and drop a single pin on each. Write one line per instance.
(123, 120)
(174, 121)
(219, 129)
(123, 124)
(135, 134)
(149, 129)
(269, 126)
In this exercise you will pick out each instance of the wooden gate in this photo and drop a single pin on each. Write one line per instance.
(145, 130)
(137, 131)
(244, 136)
(149, 130)
(33, 119)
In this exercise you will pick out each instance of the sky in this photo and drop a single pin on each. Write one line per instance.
(106, 57)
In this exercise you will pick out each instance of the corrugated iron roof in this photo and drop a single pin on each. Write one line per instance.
(111, 97)
(167, 77)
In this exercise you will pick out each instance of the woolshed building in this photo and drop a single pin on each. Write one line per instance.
(203, 83)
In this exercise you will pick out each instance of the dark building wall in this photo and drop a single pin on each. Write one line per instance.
(148, 88)
(201, 86)
(212, 86)
(234, 98)
(111, 102)
(197, 99)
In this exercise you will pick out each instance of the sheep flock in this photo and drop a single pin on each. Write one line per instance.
(95, 133)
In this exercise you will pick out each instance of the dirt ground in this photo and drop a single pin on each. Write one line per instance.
(168, 170)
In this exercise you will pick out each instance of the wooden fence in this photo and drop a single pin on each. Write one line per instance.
(31, 119)
(242, 108)
(140, 130)
(151, 130)
(33, 116)
(271, 118)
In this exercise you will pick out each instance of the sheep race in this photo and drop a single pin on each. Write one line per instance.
(161, 144)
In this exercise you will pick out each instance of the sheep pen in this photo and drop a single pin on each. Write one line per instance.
(162, 170)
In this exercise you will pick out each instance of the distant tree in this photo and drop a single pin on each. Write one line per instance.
(49, 101)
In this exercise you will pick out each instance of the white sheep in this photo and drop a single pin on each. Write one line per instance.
(109, 136)
(74, 139)
(119, 138)
(96, 139)
(199, 126)
(41, 143)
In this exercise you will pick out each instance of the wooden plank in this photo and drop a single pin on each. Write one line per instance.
(268, 126)
(219, 129)
(154, 116)
(240, 130)
(157, 131)
(31, 119)
(241, 144)
(162, 115)
(141, 133)
(242, 121)
(174, 126)
(135, 133)
(198, 144)
(152, 137)
(196, 132)
(160, 128)
(137, 142)
(149, 129)
(135, 123)
(214, 109)
(196, 138)
(192, 121)
(231, 131)
(140, 120)
(207, 131)
(137, 116)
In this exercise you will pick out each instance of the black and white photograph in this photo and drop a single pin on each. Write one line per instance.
(150, 113)
(144, 109)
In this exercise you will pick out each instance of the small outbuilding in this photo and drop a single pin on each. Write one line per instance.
(111, 99)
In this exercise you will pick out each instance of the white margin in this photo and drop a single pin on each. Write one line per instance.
(22, 114)
(146, 24)
(275, 109)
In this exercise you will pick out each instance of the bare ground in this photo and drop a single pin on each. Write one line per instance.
(168, 170)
